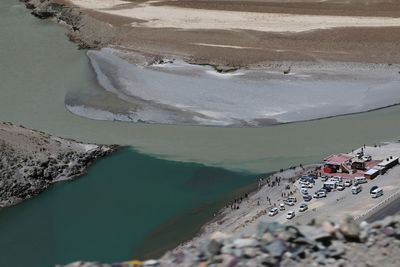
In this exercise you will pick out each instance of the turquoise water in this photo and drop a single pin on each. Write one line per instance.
(107, 214)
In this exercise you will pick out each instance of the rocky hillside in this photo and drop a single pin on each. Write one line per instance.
(346, 243)
(30, 161)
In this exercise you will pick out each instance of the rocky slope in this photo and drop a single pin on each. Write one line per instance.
(30, 161)
(345, 243)
(83, 29)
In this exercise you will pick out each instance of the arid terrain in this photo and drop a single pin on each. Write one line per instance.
(239, 33)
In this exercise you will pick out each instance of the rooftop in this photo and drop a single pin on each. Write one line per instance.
(338, 159)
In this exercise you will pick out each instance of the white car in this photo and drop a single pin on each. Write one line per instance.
(273, 212)
(340, 187)
(303, 207)
(304, 191)
(348, 183)
(282, 206)
(290, 215)
(289, 203)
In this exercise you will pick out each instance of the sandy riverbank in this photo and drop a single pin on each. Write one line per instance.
(30, 161)
(235, 33)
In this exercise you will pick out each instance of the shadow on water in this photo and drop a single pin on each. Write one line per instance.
(166, 237)
(107, 214)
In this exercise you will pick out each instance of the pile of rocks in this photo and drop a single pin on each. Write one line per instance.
(345, 243)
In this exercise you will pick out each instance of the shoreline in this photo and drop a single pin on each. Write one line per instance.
(216, 224)
(241, 222)
(43, 159)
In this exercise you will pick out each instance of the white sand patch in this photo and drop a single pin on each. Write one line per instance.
(98, 4)
(188, 18)
(226, 46)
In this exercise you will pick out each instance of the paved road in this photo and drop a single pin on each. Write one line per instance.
(392, 208)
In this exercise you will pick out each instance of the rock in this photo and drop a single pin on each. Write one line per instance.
(201, 256)
(389, 231)
(214, 247)
(335, 250)
(249, 253)
(320, 258)
(276, 248)
(268, 260)
(313, 233)
(267, 238)
(289, 234)
(245, 242)
(349, 228)
(271, 227)
(328, 227)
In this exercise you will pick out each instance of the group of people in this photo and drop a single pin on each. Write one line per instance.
(271, 181)
(235, 204)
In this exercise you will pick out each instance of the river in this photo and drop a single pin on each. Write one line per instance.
(106, 214)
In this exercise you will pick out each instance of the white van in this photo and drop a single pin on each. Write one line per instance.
(360, 180)
(376, 192)
(356, 189)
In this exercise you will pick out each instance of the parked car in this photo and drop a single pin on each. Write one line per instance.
(273, 212)
(330, 185)
(337, 178)
(307, 197)
(290, 215)
(324, 178)
(360, 180)
(323, 190)
(348, 183)
(376, 192)
(356, 189)
(340, 187)
(321, 194)
(303, 207)
(289, 203)
(291, 198)
(281, 206)
(304, 191)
